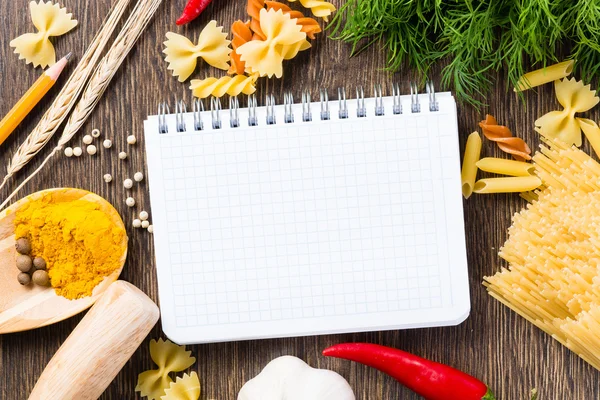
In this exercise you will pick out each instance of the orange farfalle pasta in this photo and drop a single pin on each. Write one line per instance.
(253, 9)
(241, 34)
(310, 26)
(504, 138)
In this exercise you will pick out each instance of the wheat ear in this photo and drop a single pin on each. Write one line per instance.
(65, 100)
(106, 69)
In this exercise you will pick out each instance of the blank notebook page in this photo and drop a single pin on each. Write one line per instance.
(308, 227)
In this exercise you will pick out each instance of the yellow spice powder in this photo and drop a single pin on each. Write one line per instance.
(80, 243)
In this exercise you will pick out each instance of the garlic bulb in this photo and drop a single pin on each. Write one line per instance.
(290, 378)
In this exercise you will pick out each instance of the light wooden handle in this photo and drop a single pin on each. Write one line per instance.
(99, 346)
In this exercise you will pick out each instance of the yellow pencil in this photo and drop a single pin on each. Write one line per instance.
(31, 98)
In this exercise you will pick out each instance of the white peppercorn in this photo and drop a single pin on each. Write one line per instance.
(131, 139)
(130, 201)
(96, 133)
(87, 139)
(145, 224)
(128, 183)
(69, 152)
(122, 155)
(138, 177)
(137, 223)
(151, 228)
(107, 178)
(107, 144)
(77, 151)
(144, 215)
(91, 149)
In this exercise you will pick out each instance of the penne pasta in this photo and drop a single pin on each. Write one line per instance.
(469, 167)
(544, 75)
(592, 133)
(512, 184)
(505, 167)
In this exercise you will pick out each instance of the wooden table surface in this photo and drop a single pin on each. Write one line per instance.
(494, 344)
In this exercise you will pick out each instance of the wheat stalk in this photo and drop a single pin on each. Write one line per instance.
(106, 69)
(65, 100)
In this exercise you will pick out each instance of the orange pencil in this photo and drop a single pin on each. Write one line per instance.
(31, 98)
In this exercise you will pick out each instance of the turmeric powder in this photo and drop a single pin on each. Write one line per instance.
(80, 243)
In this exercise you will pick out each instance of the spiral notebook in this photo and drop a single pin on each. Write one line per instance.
(311, 218)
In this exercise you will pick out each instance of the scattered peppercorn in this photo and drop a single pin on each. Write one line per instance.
(24, 278)
(130, 201)
(107, 178)
(137, 223)
(87, 139)
(96, 133)
(138, 177)
(24, 263)
(144, 215)
(77, 151)
(69, 152)
(41, 278)
(107, 144)
(145, 224)
(128, 183)
(122, 155)
(91, 149)
(23, 246)
(39, 263)
(151, 228)
(131, 139)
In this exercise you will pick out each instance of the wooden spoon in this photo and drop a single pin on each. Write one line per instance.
(33, 306)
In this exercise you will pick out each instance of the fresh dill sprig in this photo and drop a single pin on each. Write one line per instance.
(475, 38)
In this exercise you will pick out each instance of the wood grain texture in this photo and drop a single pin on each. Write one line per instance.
(494, 344)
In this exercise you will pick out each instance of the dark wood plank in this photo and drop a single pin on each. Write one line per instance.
(495, 344)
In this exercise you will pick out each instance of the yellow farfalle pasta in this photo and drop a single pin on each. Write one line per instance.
(184, 388)
(169, 357)
(231, 85)
(319, 8)
(592, 133)
(265, 57)
(213, 47)
(575, 98)
(50, 20)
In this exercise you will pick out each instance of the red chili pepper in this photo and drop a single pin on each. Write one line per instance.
(432, 380)
(192, 10)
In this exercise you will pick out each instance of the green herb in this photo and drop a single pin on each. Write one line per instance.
(474, 38)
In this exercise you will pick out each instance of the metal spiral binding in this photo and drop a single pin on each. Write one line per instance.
(288, 102)
(379, 108)
(343, 104)
(325, 114)
(433, 104)
(415, 106)
(180, 109)
(306, 113)
(197, 109)
(270, 104)
(215, 108)
(397, 107)
(288, 105)
(252, 119)
(163, 110)
(361, 110)
(234, 106)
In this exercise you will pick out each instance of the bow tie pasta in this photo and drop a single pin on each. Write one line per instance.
(213, 47)
(50, 20)
(575, 98)
(283, 39)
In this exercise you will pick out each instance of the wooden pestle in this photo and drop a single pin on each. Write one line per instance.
(99, 346)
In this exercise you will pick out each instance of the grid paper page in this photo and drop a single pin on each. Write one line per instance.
(309, 227)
